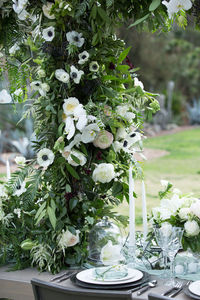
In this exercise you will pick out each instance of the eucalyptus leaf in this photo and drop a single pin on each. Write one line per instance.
(154, 4)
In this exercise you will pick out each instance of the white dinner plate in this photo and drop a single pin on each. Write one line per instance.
(194, 287)
(88, 277)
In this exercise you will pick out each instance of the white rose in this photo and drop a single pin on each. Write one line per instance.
(161, 213)
(184, 212)
(176, 191)
(110, 254)
(20, 160)
(172, 204)
(191, 228)
(195, 208)
(67, 239)
(166, 229)
(61, 75)
(79, 155)
(104, 173)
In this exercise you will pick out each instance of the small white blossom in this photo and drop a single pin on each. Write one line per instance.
(47, 9)
(103, 173)
(89, 133)
(14, 49)
(5, 97)
(20, 189)
(23, 15)
(75, 74)
(83, 57)
(45, 157)
(17, 211)
(139, 83)
(48, 34)
(79, 155)
(62, 75)
(94, 67)
(18, 92)
(191, 228)
(41, 73)
(164, 183)
(20, 160)
(75, 38)
(19, 5)
(67, 239)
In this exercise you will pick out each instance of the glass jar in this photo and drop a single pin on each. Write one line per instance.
(105, 243)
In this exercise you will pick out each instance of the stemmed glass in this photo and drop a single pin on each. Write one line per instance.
(169, 239)
(163, 238)
(174, 246)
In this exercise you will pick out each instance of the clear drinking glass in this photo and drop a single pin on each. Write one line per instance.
(163, 238)
(173, 247)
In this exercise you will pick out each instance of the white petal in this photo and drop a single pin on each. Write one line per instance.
(69, 127)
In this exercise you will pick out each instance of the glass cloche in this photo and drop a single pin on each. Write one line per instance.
(105, 244)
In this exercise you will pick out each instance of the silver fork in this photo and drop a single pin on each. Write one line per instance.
(180, 289)
(177, 286)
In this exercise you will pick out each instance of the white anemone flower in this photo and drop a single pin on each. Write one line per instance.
(174, 6)
(47, 9)
(75, 38)
(48, 33)
(62, 75)
(14, 49)
(42, 88)
(94, 66)
(45, 157)
(5, 97)
(80, 116)
(20, 160)
(69, 127)
(103, 173)
(83, 57)
(79, 155)
(69, 105)
(20, 189)
(75, 74)
(89, 133)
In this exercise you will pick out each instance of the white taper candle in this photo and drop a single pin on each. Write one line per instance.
(144, 211)
(131, 209)
(8, 169)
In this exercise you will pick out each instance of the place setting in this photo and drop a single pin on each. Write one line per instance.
(193, 290)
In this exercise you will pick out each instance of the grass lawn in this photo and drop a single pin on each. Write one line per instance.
(181, 167)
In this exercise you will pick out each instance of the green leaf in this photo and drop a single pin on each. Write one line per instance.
(117, 189)
(71, 170)
(109, 77)
(95, 39)
(83, 149)
(53, 204)
(109, 3)
(103, 14)
(72, 203)
(40, 210)
(123, 55)
(93, 13)
(139, 21)
(76, 159)
(154, 5)
(52, 216)
(90, 220)
(68, 188)
(41, 216)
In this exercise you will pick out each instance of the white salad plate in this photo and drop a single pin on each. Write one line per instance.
(89, 277)
(194, 287)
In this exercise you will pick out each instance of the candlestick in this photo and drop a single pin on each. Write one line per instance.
(131, 209)
(144, 211)
(8, 169)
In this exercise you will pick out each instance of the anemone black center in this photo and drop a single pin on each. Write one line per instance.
(84, 57)
(133, 135)
(76, 38)
(125, 144)
(50, 33)
(44, 157)
(74, 75)
(18, 187)
(94, 67)
(37, 84)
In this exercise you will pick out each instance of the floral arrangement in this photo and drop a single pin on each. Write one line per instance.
(64, 60)
(180, 210)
